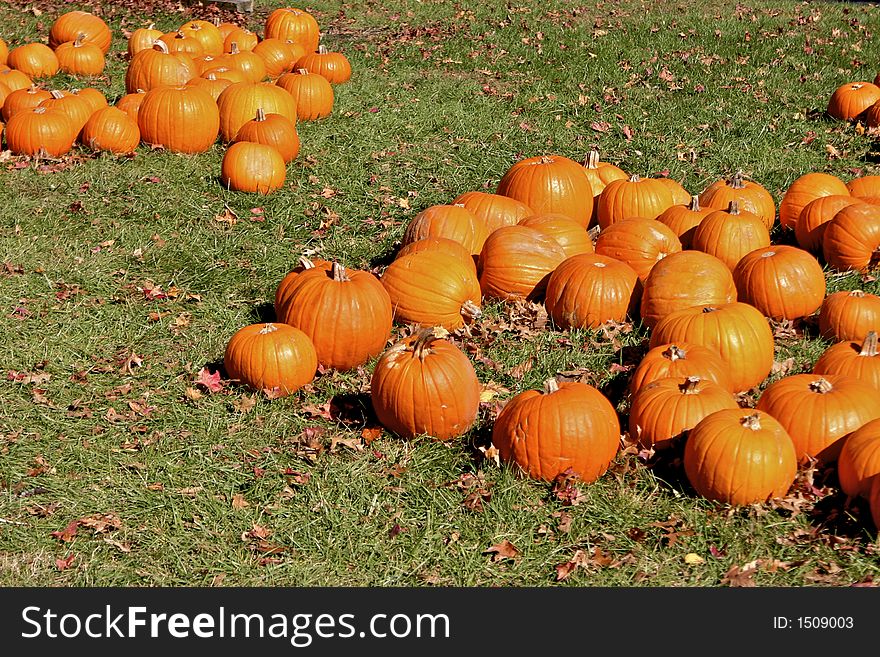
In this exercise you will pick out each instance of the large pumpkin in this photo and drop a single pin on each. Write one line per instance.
(567, 427)
(730, 234)
(111, 129)
(142, 38)
(550, 183)
(808, 187)
(80, 58)
(425, 385)
(158, 67)
(294, 24)
(68, 27)
(516, 262)
(740, 456)
(749, 195)
(273, 357)
(680, 361)
(864, 186)
(859, 460)
(206, 34)
(77, 109)
(279, 57)
(633, 197)
(40, 131)
(851, 99)
(860, 360)
(640, 243)
(849, 315)
(22, 99)
(453, 222)
(813, 220)
(441, 245)
(494, 210)
(334, 66)
(346, 312)
(239, 102)
(36, 60)
(852, 238)
(181, 119)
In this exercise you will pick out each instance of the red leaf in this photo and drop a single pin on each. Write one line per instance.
(64, 564)
(209, 380)
(66, 535)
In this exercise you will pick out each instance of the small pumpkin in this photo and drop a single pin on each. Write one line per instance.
(849, 315)
(680, 195)
(243, 38)
(641, 243)
(272, 130)
(859, 360)
(40, 131)
(251, 167)
(36, 60)
(250, 64)
(23, 99)
(516, 263)
(864, 186)
(111, 129)
(157, 67)
(80, 57)
(852, 238)
(14, 80)
(550, 183)
(679, 361)
(210, 83)
(206, 33)
(600, 174)
(143, 38)
(131, 103)
(806, 188)
(334, 66)
(294, 24)
(570, 235)
(494, 210)
(634, 197)
(851, 99)
(239, 102)
(273, 357)
(312, 93)
(179, 42)
(77, 109)
(684, 219)
(278, 56)
(730, 234)
(749, 195)
(813, 220)
(453, 222)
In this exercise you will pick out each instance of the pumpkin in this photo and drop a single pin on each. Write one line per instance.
(207, 34)
(516, 263)
(494, 210)
(251, 167)
(454, 222)
(569, 427)
(243, 38)
(302, 265)
(864, 186)
(851, 99)
(77, 109)
(80, 58)
(312, 93)
(346, 312)
(680, 195)
(225, 28)
(550, 183)
(685, 279)
(859, 360)
(211, 83)
(92, 96)
(679, 361)
(587, 290)
(143, 38)
(737, 331)
(70, 25)
(207, 63)
(111, 129)
(131, 103)
(36, 60)
(684, 219)
(273, 357)
(600, 174)
(40, 131)
(783, 282)
(813, 220)
(334, 66)
(179, 42)
(570, 235)
(23, 99)
(273, 130)
(819, 410)
(849, 315)
(740, 456)
(749, 195)
(239, 102)
(4, 52)
(225, 73)
(433, 289)
(808, 187)
(634, 197)
(852, 238)
(294, 24)
(731, 234)
(182, 119)
(425, 385)
(664, 409)
(14, 80)
(158, 67)
(248, 63)
(641, 243)
(441, 245)
(278, 56)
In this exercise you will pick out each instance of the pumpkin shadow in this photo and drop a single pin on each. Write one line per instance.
(264, 313)
(383, 259)
(353, 409)
(216, 365)
(837, 515)
(667, 465)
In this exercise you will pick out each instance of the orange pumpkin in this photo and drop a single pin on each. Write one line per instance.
(635, 197)
(207, 34)
(494, 210)
(731, 234)
(23, 99)
(294, 24)
(852, 238)
(68, 27)
(251, 167)
(111, 129)
(808, 187)
(239, 102)
(272, 130)
(274, 357)
(142, 39)
(859, 360)
(80, 57)
(813, 220)
(40, 131)
(550, 183)
(849, 315)
(600, 174)
(454, 222)
(684, 219)
(182, 119)
(334, 66)
(312, 93)
(640, 243)
(157, 67)
(680, 361)
(570, 235)
(851, 99)
(749, 195)
(516, 263)
(441, 245)
(859, 460)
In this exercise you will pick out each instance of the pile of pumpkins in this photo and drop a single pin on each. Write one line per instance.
(184, 89)
(698, 271)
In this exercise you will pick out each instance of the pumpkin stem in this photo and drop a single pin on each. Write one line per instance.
(261, 115)
(695, 204)
(709, 309)
(302, 71)
(733, 208)
(635, 178)
(322, 49)
(57, 93)
(857, 293)
(551, 386)
(305, 263)
(737, 181)
(592, 159)
(674, 353)
(268, 328)
(470, 310)
(546, 159)
(821, 386)
(421, 346)
(79, 40)
(869, 346)
(233, 48)
(752, 422)
(689, 387)
(339, 274)
(161, 46)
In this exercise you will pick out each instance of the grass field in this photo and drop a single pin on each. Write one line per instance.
(123, 277)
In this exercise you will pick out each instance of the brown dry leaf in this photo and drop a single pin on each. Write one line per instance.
(564, 521)
(192, 394)
(157, 486)
(352, 443)
(244, 404)
(122, 547)
(579, 559)
(238, 501)
(227, 217)
(192, 491)
(369, 434)
(67, 534)
(101, 523)
(257, 532)
(741, 576)
(503, 550)
(565, 488)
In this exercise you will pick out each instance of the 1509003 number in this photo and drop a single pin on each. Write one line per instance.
(824, 622)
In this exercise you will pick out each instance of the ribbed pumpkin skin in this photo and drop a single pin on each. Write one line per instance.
(546, 433)
(852, 238)
(783, 282)
(424, 385)
(680, 195)
(272, 130)
(93, 97)
(311, 92)
(206, 34)
(40, 131)
(239, 103)
(77, 109)
(111, 129)
(684, 279)
(439, 245)
(181, 119)
(730, 235)
(750, 196)
(180, 42)
(131, 103)
(640, 243)
(729, 459)
(154, 67)
(851, 99)
(516, 262)
(80, 58)
(294, 24)
(243, 38)
(808, 187)
(278, 57)
(813, 220)
(494, 210)
(247, 63)
(600, 174)
(251, 167)
(22, 100)
(570, 235)
(210, 83)
(684, 219)
(587, 290)
(818, 411)
(69, 26)
(142, 38)
(864, 186)
(737, 331)
(432, 289)
(664, 409)
(859, 459)
(36, 60)
(14, 80)
(679, 361)
(333, 66)
(849, 315)
(550, 183)
(346, 313)
(453, 222)
(857, 359)
(273, 357)
(634, 197)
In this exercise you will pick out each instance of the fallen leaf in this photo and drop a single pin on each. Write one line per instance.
(66, 535)
(209, 380)
(693, 559)
(238, 501)
(503, 550)
(64, 564)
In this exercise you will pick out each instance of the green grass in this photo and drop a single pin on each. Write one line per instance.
(445, 96)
